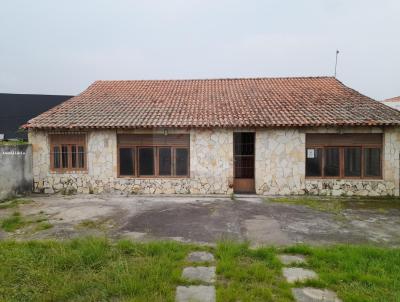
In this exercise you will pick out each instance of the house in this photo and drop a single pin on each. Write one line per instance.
(16, 109)
(393, 102)
(270, 136)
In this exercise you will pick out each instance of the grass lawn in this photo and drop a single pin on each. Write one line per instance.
(98, 270)
(336, 205)
(356, 273)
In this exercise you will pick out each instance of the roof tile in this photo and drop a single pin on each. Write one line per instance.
(247, 102)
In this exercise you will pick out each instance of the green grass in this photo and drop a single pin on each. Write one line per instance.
(13, 203)
(332, 205)
(336, 205)
(44, 225)
(13, 143)
(37, 222)
(355, 273)
(249, 275)
(90, 270)
(12, 223)
(95, 269)
(93, 224)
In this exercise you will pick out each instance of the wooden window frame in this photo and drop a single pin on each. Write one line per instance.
(156, 161)
(341, 161)
(68, 140)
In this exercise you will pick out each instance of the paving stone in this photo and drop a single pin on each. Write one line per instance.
(293, 274)
(195, 293)
(199, 273)
(309, 294)
(200, 257)
(290, 259)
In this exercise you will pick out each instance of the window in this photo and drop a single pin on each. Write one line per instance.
(313, 162)
(127, 162)
(331, 162)
(372, 162)
(153, 155)
(165, 161)
(67, 152)
(352, 162)
(181, 157)
(344, 156)
(146, 161)
(56, 157)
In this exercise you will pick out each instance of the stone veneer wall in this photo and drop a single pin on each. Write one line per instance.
(280, 162)
(280, 165)
(211, 171)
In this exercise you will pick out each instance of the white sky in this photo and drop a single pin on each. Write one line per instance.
(61, 47)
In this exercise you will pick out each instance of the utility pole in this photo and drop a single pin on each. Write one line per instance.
(337, 54)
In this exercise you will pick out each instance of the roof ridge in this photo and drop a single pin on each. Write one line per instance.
(220, 79)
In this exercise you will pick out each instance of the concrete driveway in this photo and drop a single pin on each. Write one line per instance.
(208, 219)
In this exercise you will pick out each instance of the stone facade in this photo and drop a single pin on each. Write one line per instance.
(211, 170)
(279, 166)
(280, 162)
(344, 187)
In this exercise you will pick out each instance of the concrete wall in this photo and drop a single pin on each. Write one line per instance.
(16, 176)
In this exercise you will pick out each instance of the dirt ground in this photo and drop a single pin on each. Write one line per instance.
(207, 220)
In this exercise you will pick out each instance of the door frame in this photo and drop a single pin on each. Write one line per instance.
(239, 183)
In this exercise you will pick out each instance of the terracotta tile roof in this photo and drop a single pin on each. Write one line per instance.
(252, 102)
(395, 99)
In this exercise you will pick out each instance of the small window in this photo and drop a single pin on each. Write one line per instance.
(126, 161)
(352, 162)
(146, 161)
(164, 164)
(182, 160)
(372, 162)
(332, 162)
(314, 162)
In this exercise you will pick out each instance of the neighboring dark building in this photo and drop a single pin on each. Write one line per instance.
(17, 109)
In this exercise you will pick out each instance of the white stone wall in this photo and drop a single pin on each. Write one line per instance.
(279, 166)
(280, 162)
(211, 158)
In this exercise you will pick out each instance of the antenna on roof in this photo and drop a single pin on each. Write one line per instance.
(337, 54)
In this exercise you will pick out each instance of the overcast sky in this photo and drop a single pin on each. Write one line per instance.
(61, 47)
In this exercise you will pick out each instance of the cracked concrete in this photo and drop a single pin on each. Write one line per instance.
(209, 219)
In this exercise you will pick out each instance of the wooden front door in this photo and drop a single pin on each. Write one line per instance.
(243, 153)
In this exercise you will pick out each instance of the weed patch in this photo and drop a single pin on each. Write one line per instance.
(43, 226)
(12, 223)
(14, 203)
(336, 205)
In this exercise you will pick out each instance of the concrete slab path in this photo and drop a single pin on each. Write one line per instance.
(199, 273)
(195, 293)
(309, 294)
(294, 274)
(198, 257)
